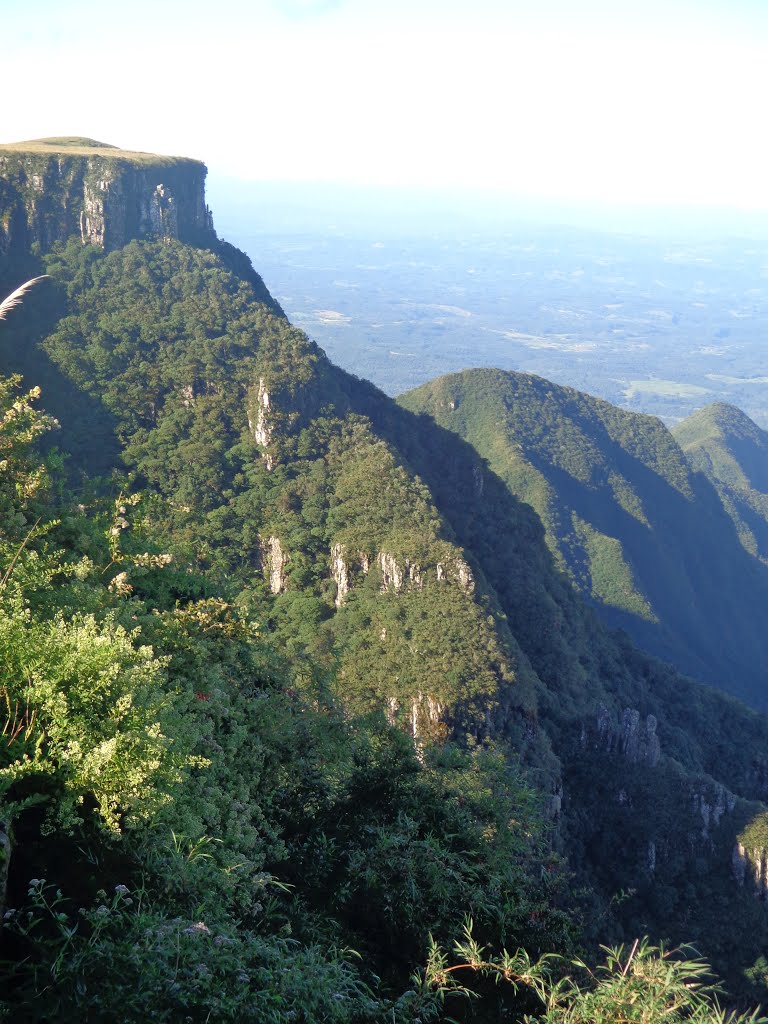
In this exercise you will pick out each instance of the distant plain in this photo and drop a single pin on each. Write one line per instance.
(657, 316)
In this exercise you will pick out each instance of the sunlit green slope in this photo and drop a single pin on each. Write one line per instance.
(724, 444)
(640, 534)
(399, 577)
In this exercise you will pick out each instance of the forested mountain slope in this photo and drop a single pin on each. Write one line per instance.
(429, 718)
(642, 536)
(724, 444)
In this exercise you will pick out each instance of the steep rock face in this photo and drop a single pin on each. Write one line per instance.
(394, 575)
(397, 574)
(340, 573)
(100, 193)
(749, 858)
(345, 572)
(632, 737)
(258, 421)
(275, 560)
(750, 866)
(710, 802)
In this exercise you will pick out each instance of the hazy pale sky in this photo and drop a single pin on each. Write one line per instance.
(572, 99)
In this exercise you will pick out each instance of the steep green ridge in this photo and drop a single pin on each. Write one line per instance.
(724, 444)
(189, 369)
(292, 485)
(641, 535)
(161, 762)
(437, 677)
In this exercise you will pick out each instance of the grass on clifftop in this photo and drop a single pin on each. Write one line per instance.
(73, 145)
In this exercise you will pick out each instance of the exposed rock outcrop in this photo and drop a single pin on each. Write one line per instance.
(739, 863)
(259, 423)
(750, 866)
(554, 804)
(275, 560)
(633, 738)
(397, 575)
(426, 716)
(101, 193)
(650, 857)
(394, 575)
(344, 571)
(749, 858)
(710, 803)
(340, 573)
(457, 571)
(464, 575)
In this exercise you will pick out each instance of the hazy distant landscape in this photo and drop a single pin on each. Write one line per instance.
(661, 323)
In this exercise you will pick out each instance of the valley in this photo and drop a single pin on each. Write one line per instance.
(655, 320)
(314, 700)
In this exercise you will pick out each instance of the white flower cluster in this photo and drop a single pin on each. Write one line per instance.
(151, 561)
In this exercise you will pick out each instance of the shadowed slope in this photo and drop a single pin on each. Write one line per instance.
(643, 537)
(724, 444)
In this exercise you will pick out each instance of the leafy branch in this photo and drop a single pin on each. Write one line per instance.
(645, 984)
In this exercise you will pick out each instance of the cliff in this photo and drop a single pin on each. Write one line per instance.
(51, 189)
(392, 565)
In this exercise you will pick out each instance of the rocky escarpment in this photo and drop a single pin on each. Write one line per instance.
(674, 823)
(630, 736)
(397, 574)
(52, 189)
(750, 856)
(259, 423)
(274, 561)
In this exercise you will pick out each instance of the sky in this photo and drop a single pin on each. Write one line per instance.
(574, 100)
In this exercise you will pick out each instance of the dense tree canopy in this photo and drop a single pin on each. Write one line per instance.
(298, 676)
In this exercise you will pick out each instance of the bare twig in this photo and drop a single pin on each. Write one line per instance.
(20, 548)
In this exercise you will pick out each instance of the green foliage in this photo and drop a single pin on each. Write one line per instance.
(754, 837)
(177, 728)
(95, 704)
(84, 700)
(730, 450)
(179, 353)
(396, 847)
(639, 533)
(645, 984)
(125, 956)
(21, 478)
(346, 657)
(611, 578)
